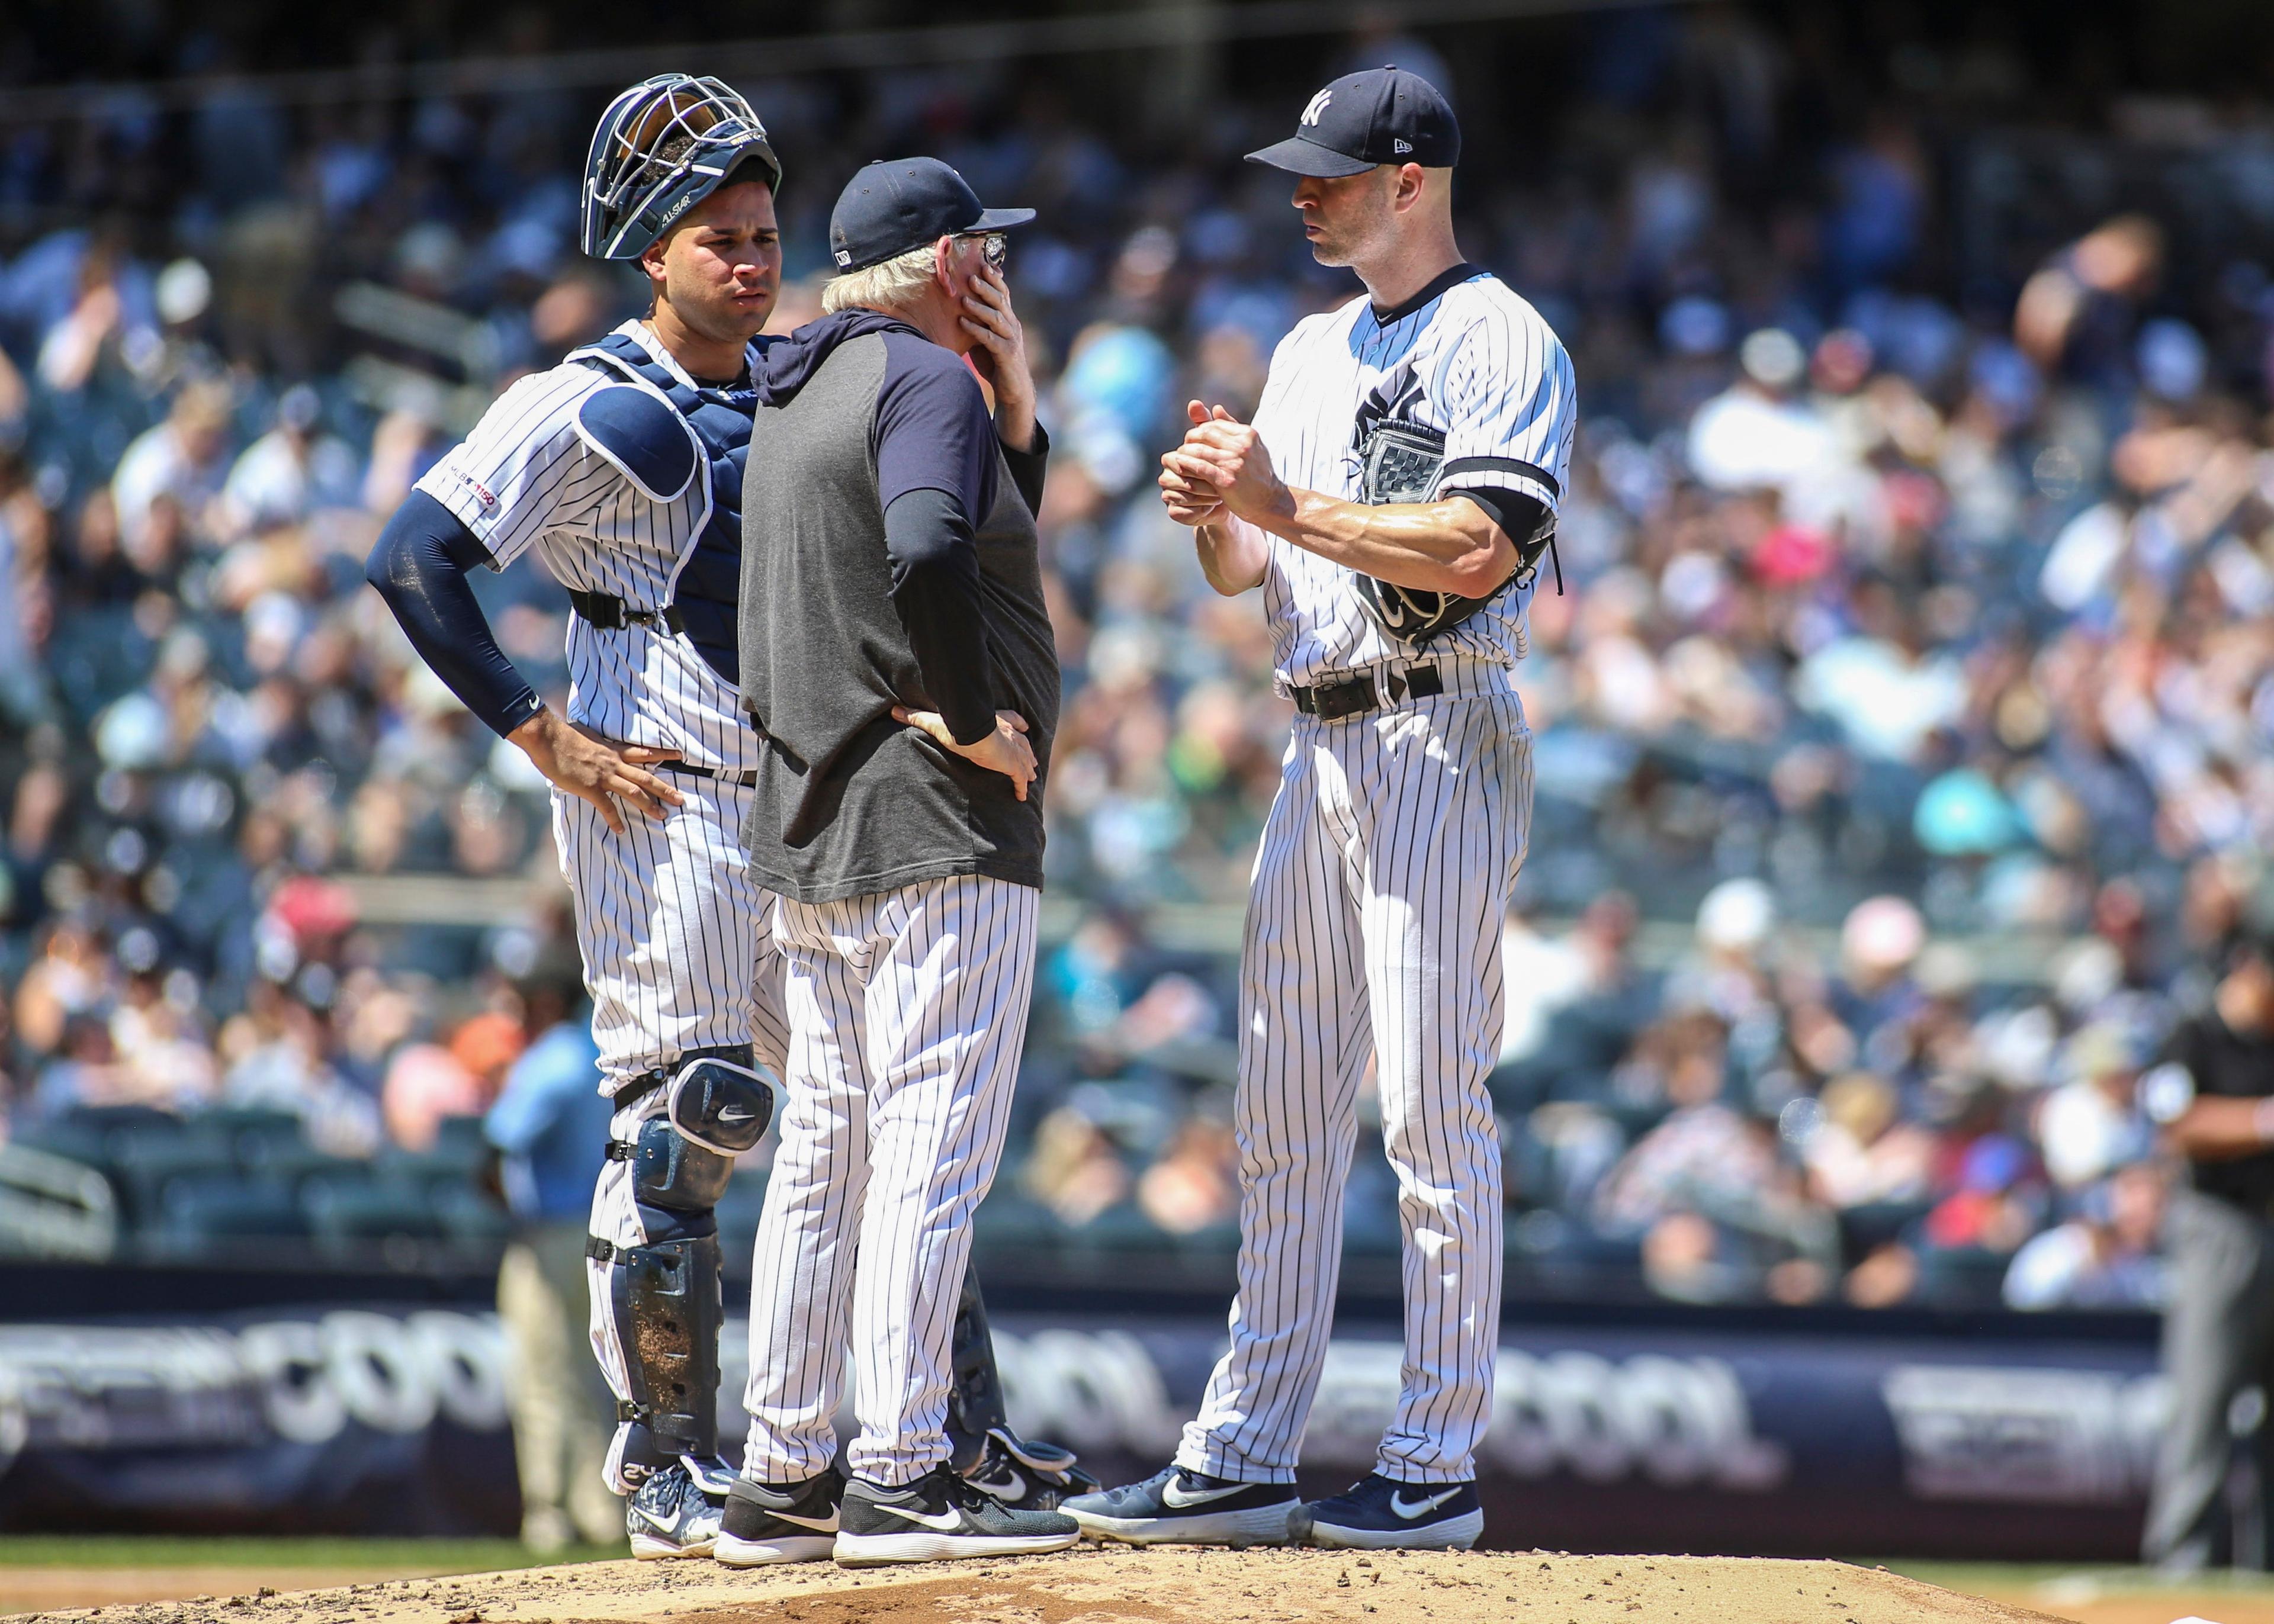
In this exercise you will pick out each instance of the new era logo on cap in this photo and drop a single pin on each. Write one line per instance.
(896, 205)
(1382, 115)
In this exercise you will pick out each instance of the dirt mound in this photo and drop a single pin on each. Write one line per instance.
(1119, 1585)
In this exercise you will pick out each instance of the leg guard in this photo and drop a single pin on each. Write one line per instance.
(1027, 1475)
(975, 1396)
(664, 1301)
(668, 1307)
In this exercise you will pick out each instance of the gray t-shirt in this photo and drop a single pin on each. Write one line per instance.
(843, 617)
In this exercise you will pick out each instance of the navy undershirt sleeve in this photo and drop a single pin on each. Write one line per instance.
(937, 472)
(419, 566)
(932, 428)
(936, 593)
(1027, 469)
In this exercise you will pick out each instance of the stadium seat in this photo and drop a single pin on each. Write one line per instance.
(1011, 1220)
(257, 1137)
(144, 1166)
(203, 1214)
(349, 1218)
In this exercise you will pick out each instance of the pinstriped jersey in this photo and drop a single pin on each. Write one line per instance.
(1467, 358)
(528, 477)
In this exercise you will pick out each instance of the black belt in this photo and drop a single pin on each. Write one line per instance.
(1330, 702)
(747, 776)
(607, 612)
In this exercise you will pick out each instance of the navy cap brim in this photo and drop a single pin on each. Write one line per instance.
(999, 219)
(1301, 157)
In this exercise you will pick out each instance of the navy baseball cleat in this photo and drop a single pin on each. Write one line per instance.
(1376, 1514)
(938, 1518)
(1022, 1476)
(671, 1513)
(767, 1523)
(1176, 1507)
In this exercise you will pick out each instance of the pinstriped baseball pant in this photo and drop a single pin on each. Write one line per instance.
(1373, 928)
(908, 1014)
(673, 931)
(677, 955)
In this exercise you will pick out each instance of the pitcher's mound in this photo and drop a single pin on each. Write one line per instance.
(1119, 1585)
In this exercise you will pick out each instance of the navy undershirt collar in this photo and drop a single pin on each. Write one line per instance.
(1451, 276)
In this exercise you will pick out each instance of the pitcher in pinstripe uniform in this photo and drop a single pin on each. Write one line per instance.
(622, 468)
(1393, 499)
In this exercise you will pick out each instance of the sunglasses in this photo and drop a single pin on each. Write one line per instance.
(995, 248)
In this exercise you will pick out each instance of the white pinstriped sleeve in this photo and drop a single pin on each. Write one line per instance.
(505, 480)
(1511, 405)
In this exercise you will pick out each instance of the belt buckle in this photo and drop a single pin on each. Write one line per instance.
(1342, 699)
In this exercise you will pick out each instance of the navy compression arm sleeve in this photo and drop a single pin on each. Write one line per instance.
(936, 588)
(419, 566)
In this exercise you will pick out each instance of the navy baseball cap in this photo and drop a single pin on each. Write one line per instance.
(897, 204)
(1380, 115)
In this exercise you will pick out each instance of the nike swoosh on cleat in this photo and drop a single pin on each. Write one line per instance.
(1011, 1488)
(946, 1521)
(1398, 1505)
(819, 1525)
(1183, 1500)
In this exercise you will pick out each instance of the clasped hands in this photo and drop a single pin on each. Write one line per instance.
(1222, 469)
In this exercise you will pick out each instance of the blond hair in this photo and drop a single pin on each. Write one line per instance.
(889, 284)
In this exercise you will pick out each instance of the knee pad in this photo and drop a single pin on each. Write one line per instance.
(667, 1303)
(713, 1110)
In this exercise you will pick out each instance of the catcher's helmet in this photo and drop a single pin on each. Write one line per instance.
(661, 147)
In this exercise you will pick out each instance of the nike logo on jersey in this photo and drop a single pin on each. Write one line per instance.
(1011, 1488)
(1397, 1503)
(1184, 1499)
(946, 1521)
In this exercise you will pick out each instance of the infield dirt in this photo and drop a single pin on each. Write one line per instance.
(1119, 1585)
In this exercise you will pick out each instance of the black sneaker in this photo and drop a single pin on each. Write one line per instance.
(1023, 1476)
(673, 1514)
(1175, 1507)
(937, 1518)
(1378, 1513)
(793, 1523)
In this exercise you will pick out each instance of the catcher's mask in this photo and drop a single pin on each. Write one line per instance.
(662, 148)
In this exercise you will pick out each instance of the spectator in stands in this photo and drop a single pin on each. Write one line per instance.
(2104, 1257)
(184, 461)
(550, 1127)
(1862, 598)
(282, 477)
(2214, 1095)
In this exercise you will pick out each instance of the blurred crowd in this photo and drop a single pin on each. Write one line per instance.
(1916, 591)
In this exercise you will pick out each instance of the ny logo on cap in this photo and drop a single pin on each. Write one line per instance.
(1318, 106)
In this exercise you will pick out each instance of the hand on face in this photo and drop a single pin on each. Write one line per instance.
(999, 342)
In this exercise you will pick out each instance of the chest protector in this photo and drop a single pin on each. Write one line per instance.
(662, 438)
